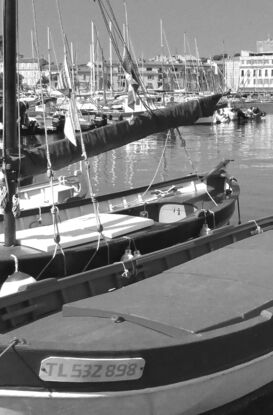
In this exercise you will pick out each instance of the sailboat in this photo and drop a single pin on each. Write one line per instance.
(95, 239)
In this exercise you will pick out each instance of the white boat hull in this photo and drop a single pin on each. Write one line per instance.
(185, 398)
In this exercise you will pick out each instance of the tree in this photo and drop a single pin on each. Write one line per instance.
(42, 62)
(220, 57)
(44, 81)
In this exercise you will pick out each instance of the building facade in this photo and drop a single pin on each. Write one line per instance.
(265, 46)
(190, 74)
(29, 69)
(256, 73)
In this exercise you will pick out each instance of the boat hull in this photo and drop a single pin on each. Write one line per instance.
(156, 237)
(191, 397)
(35, 210)
(177, 212)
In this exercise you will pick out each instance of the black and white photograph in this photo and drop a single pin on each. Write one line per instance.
(136, 205)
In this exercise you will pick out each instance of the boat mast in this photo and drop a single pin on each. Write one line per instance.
(10, 115)
(162, 60)
(111, 59)
(93, 60)
(126, 34)
(49, 59)
(186, 80)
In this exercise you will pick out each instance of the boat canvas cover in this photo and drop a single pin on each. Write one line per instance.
(63, 153)
(82, 229)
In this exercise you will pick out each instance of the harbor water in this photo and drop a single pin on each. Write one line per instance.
(197, 148)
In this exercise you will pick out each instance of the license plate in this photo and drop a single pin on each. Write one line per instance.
(71, 369)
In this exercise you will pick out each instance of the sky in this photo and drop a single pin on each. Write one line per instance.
(206, 27)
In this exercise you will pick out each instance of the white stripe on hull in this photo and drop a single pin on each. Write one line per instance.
(184, 398)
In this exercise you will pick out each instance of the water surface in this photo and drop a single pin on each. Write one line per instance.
(156, 158)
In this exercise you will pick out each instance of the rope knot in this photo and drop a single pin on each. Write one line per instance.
(100, 228)
(57, 238)
(16, 206)
(49, 172)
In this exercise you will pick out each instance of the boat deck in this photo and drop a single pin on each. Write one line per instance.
(212, 291)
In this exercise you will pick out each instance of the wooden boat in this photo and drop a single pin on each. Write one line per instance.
(163, 217)
(70, 196)
(193, 338)
(95, 239)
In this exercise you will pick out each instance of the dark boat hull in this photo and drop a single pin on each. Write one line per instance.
(167, 214)
(70, 206)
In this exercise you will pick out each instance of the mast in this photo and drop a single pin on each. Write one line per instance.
(103, 76)
(162, 59)
(126, 37)
(10, 114)
(197, 66)
(93, 59)
(97, 64)
(49, 58)
(111, 59)
(72, 67)
(91, 71)
(186, 80)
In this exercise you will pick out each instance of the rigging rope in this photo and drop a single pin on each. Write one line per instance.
(83, 148)
(50, 173)
(183, 144)
(40, 81)
(109, 15)
(11, 345)
(159, 163)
